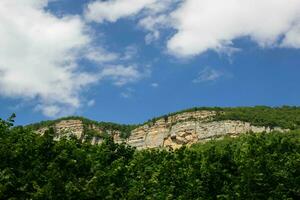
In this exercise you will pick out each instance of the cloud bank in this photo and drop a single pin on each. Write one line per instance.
(40, 52)
(202, 25)
(39, 57)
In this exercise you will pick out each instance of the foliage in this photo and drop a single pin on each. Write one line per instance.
(253, 166)
(285, 117)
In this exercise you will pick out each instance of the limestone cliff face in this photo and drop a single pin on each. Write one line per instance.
(188, 128)
(66, 128)
(154, 135)
(171, 132)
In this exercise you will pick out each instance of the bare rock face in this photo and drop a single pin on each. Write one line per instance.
(189, 128)
(69, 127)
(154, 135)
(170, 132)
(65, 128)
(195, 131)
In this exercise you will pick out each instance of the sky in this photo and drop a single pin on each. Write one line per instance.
(127, 61)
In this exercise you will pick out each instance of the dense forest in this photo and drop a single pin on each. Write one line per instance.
(253, 166)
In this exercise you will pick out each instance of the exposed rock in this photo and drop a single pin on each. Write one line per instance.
(189, 128)
(170, 132)
(194, 131)
(69, 127)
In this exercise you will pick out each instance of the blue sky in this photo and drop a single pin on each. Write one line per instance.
(118, 66)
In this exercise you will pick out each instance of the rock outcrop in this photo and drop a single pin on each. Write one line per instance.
(169, 132)
(66, 128)
(189, 128)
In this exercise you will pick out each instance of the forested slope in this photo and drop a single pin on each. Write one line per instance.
(253, 166)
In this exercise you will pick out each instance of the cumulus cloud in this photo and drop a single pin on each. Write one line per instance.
(203, 25)
(38, 54)
(39, 57)
(152, 13)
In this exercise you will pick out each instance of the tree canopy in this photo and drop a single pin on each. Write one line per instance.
(253, 166)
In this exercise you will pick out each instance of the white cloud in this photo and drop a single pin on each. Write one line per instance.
(111, 11)
(39, 51)
(50, 110)
(121, 75)
(208, 74)
(130, 52)
(38, 54)
(151, 13)
(153, 24)
(156, 17)
(292, 38)
(39, 57)
(202, 25)
(100, 55)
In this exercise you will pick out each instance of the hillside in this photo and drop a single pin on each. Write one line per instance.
(252, 166)
(261, 164)
(180, 128)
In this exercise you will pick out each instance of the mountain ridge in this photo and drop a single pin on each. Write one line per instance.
(272, 110)
(180, 128)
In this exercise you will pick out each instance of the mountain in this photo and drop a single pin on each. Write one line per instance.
(181, 128)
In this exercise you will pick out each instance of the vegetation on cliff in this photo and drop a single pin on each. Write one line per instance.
(253, 166)
(285, 117)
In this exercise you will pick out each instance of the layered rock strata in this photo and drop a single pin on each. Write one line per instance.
(169, 132)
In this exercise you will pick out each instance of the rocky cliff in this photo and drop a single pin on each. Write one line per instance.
(168, 132)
